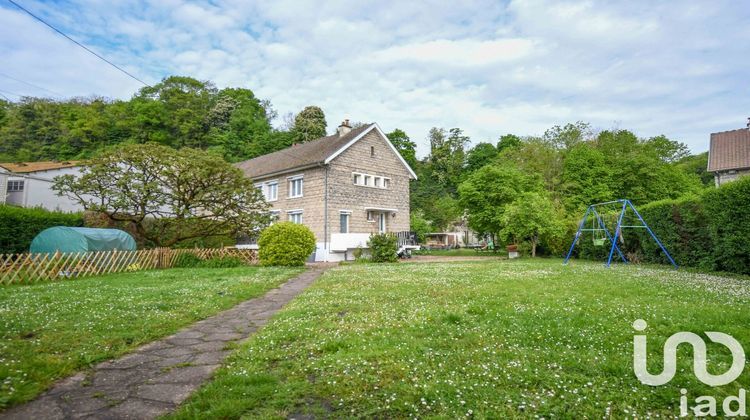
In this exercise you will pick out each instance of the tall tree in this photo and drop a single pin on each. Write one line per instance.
(480, 155)
(667, 150)
(406, 148)
(173, 112)
(530, 218)
(309, 124)
(167, 196)
(569, 135)
(178, 112)
(585, 178)
(508, 141)
(697, 165)
(538, 156)
(448, 157)
(487, 192)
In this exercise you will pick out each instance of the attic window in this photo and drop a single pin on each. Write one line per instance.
(372, 151)
(372, 181)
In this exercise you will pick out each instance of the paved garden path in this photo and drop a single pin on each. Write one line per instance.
(157, 377)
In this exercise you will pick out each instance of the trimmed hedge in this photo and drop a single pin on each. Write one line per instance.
(285, 244)
(710, 231)
(19, 226)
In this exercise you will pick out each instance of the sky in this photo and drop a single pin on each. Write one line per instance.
(681, 69)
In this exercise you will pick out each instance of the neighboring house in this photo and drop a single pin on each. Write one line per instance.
(344, 187)
(29, 184)
(458, 234)
(729, 155)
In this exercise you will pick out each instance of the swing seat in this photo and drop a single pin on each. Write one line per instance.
(599, 242)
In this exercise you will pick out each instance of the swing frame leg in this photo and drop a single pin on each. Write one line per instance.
(617, 233)
(577, 235)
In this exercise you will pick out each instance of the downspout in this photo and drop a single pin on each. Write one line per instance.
(325, 214)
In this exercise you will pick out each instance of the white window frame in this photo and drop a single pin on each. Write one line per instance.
(373, 181)
(19, 185)
(348, 214)
(269, 184)
(291, 213)
(290, 182)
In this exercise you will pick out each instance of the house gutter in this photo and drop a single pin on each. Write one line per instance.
(285, 171)
(325, 212)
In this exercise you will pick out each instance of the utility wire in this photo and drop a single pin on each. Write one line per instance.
(12, 93)
(77, 43)
(6, 98)
(31, 84)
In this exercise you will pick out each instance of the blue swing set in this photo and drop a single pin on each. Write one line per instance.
(592, 212)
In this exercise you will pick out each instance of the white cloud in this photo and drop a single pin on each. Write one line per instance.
(458, 53)
(488, 67)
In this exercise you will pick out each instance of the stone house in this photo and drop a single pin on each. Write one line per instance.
(344, 187)
(729, 154)
(29, 184)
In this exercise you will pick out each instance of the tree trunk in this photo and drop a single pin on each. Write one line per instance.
(533, 247)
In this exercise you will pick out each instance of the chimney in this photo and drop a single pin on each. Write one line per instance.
(344, 128)
(748, 123)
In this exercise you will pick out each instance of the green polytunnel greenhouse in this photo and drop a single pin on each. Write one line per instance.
(80, 239)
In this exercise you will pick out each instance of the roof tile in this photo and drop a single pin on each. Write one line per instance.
(28, 167)
(298, 156)
(729, 150)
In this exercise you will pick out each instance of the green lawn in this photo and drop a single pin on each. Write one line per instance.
(489, 339)
(51, 330)
(459, 252)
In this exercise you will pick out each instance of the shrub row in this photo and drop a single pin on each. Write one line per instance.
(710, 231)
(188, 260)
(18, 226)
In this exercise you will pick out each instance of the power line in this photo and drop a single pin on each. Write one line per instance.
(6, 98)
(31, 84)
(12, 93)
(77, 43)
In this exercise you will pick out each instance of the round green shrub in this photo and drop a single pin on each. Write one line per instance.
(285, 244)
(383, 247)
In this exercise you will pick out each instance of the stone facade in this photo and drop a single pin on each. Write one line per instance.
(344, 195)
(322, 207)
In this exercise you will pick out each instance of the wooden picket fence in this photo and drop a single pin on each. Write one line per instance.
(33, 268)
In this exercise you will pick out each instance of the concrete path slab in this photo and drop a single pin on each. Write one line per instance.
(154, 379)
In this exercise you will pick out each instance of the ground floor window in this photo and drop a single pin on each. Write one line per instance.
(381, 223)
(344, 222)
(295, 216)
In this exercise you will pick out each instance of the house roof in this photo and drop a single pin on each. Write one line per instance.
(28, 167)
(729, 150)
(316, 152)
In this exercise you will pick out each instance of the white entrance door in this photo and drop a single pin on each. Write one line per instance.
(381, 223)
